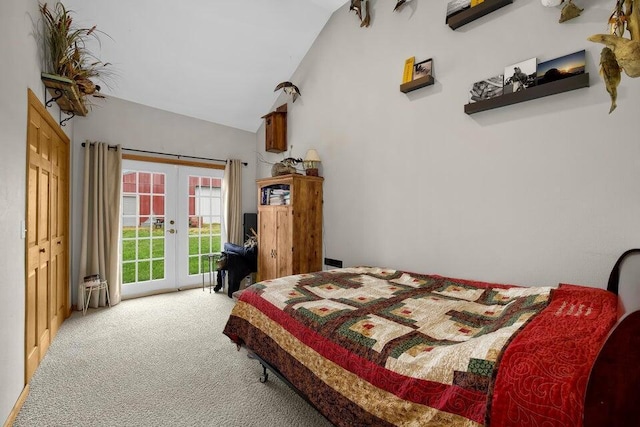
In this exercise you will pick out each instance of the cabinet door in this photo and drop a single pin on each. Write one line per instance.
(276, 132)
(269, 133)
(267, 226)
(284, 243)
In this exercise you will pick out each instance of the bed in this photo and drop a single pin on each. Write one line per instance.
(379, 347)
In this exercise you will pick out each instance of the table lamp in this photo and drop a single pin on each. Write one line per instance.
(311, 162)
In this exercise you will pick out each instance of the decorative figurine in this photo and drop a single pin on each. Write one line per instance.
(356, 5)
(290, 89)
(620, 51)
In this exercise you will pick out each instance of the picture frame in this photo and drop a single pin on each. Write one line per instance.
(520, 76)
(561, 67)
(423, 69)
(456, 6)
(482, 90)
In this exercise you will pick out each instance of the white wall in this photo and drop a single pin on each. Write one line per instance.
(20, 70)
(535, 193)
(136, 126)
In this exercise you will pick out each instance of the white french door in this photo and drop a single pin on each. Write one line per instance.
(171, 219)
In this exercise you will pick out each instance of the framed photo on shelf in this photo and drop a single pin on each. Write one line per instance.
(486, 89)
(423, 69)
(562, 67)
(520, 76)
(456, 6)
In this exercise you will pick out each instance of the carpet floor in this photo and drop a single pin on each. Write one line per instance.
(157, 361)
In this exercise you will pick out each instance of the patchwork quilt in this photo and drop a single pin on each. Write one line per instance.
(380, 347)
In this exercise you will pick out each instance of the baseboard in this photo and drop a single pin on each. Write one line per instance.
(16, 408)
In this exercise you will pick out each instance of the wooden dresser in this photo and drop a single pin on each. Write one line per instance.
(289, 225)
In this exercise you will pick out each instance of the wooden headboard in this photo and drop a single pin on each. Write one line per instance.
(612, 397)
(624, 280)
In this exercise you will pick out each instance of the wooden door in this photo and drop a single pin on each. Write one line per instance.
(284, 244)
(58, 214)
(275, 242)
(276, 132)
(267, 243)
(46, 297)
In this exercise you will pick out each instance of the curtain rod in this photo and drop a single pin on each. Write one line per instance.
(166, 154)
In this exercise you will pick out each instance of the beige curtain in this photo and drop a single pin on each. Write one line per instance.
(100, 250)
(232, 202)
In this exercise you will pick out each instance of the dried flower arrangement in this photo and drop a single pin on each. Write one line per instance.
(66, 50)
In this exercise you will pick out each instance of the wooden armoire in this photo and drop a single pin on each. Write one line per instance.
(289, 225)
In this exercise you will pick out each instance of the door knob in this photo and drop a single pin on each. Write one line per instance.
(171, 231)
(43, 250)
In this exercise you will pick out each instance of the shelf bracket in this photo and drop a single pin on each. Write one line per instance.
(59, 94)
(71, 116)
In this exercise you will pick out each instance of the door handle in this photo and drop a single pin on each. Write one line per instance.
(43, 250)
(171, 230)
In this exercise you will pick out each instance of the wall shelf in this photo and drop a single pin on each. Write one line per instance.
(416, 84)
(552, 88)
(65, 93)
(475, 12)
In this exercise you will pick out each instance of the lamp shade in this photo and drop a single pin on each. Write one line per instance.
(312, 156)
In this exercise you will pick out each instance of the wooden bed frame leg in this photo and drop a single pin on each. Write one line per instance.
(265, 375)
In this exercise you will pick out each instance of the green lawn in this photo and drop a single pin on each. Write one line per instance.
(149, 257)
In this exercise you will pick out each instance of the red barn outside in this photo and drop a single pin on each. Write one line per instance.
(149, 190)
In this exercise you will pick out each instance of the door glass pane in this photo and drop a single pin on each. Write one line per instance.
(144, 271)
(204, 221)
(143, 242)
(158, 269)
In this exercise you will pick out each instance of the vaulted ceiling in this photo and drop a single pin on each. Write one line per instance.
(215, 60)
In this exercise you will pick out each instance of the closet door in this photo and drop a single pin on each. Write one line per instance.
(58, 219)
(46, 275)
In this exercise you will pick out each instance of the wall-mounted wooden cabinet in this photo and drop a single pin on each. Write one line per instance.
(289, 225)
(275, 125)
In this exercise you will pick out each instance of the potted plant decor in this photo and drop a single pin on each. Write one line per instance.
(71, 67)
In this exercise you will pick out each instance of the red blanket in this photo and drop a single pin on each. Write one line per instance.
(543, 373)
